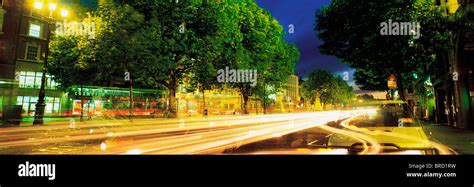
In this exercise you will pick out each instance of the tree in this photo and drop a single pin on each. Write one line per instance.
(259, 45)
(65, 64)
(366, 97)
(177, 39)
(115, 48)
(351, 31)
(103, 59)
(203, 77)
(330, 89)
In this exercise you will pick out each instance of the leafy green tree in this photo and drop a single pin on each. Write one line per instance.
(260, 46)
(330, 89)
(318, 85)
(115, 48)
(351, 31)
(65, 64)
(203, 77)
(178, 39)
(366, 97)
(103, 59)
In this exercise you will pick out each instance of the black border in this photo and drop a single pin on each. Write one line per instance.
(125, 170)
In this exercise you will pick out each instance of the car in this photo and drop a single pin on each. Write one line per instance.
(392, 128)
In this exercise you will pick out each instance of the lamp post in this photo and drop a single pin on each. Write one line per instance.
(41, 105)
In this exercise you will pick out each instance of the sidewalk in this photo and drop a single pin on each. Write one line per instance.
(462, 141)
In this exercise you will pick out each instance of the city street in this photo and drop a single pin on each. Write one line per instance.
(90, 85)
(200, 135)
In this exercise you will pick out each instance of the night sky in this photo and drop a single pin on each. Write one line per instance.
(301, 13)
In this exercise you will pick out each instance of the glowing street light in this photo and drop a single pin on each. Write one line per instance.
(52, 6)
(64, 13)
(38, 5)
(41, 105)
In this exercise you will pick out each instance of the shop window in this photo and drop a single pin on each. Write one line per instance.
(28, 104)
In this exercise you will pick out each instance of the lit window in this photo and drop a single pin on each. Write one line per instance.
(32, 52)
(1, 20)
(33, 80)
(35, 30)
(28, 104)
(2, 12)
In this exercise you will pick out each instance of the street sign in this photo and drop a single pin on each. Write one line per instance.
(392, 82)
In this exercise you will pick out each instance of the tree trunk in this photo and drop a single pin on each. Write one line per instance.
(264, 100)
(203, 102)
(401, 89)
(256, 104)
(246, 99)
(171, 110)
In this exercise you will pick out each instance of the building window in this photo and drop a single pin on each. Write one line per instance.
(32, 52)
(2, 12)
(35, 30)
(28, 104)
(29, 79)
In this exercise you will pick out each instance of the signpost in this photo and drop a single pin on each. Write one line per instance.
(392, 82)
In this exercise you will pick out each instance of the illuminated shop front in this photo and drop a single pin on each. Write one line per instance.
(111, 101)
(28, 103)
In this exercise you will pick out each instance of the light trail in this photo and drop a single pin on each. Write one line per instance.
(198, 136)
(375, 147)
(441, 148)
(201, 135)
(216, 141)
(138, 129)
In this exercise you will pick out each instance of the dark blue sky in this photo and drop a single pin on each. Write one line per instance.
(301, 13)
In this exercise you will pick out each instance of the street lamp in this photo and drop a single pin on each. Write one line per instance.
(64, 13)
(41, 105)
(52, 6)
(38, 5)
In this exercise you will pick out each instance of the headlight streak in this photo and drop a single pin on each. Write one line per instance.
(199, 135)
(441, 148)
(170, 127)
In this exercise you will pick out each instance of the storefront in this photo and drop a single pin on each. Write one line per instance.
(112, 101)
(28, 103)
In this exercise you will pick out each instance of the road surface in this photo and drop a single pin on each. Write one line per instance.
(195, 135)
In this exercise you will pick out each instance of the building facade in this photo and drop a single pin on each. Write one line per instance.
(23, 44)
(22, 47)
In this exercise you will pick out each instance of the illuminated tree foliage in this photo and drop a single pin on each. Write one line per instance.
(167, 43)
(329, 88)
(259, 45)
(351, 31)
